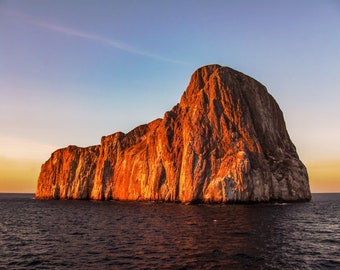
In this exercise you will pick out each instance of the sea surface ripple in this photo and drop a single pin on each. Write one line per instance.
(147, 235)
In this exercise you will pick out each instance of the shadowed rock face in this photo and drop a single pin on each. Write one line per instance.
(226, 141)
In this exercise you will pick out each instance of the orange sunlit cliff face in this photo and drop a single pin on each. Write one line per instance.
(225, 141)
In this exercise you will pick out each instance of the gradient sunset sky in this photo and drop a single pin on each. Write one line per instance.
(73, 71)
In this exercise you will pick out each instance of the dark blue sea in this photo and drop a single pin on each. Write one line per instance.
(146, 235)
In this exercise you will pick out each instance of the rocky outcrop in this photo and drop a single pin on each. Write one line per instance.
(226, 141)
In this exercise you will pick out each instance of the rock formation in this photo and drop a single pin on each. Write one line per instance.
(226, 141)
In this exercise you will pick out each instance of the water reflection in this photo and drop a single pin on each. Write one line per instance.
(211, 235)
(88, 235)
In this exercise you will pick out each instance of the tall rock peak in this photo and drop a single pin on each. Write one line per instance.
(226, 141)
(201, 76)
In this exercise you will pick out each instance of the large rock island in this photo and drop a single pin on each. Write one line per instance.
(226, 141)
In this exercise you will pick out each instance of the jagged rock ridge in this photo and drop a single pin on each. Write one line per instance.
(226, 141)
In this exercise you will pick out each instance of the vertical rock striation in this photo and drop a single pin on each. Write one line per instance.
(226, 141)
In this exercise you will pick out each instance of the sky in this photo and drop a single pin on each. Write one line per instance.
(74, 71)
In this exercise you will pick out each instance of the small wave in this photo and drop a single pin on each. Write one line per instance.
(87, 235)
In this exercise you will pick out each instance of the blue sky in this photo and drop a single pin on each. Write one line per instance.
(73, 71)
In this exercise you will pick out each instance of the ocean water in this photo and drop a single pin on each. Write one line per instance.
(145, 235)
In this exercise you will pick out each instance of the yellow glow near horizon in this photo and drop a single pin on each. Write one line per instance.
(324, 176)
(18, 176)
(20, 162)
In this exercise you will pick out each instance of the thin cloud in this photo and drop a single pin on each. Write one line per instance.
(80, 34)
(19, 148)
